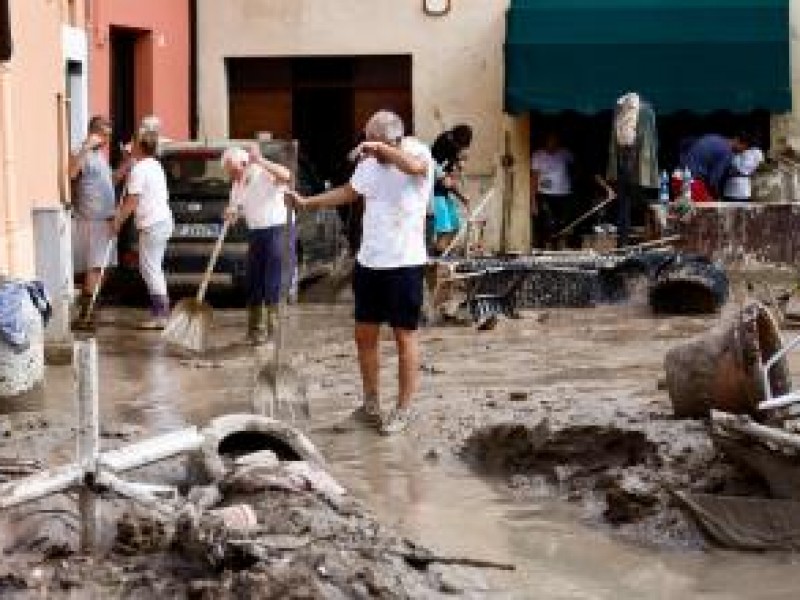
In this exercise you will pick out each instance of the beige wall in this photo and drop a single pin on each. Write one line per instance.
(787, 127)
(457, 64)
(29, 133)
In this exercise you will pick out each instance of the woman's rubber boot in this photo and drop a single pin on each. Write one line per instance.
(159, 313)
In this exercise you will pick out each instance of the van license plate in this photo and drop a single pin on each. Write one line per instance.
(198, 230)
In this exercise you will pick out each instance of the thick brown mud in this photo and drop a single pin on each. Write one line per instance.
(546, 443)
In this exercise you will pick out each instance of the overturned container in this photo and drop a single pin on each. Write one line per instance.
(721, 369)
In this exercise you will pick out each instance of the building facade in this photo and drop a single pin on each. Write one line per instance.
(316, 69)
(140, 63)
(42, 89)
(291, 69)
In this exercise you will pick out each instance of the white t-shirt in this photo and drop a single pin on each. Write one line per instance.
(260, 198)
(147, 180)
(738, 186)
(553, 171)
(395, 203)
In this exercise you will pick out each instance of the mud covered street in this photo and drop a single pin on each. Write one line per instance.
(546, 443)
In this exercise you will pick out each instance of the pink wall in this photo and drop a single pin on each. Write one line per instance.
(162, 56)
(30, 161)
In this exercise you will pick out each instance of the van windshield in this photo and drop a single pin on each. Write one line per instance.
(196, 174)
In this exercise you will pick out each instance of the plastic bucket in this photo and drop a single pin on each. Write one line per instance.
(721, 369)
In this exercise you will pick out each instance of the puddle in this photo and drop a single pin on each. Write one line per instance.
(445, 506)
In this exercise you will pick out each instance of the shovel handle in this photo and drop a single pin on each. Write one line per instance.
(585, 216)
(101, 276)
(212, 261)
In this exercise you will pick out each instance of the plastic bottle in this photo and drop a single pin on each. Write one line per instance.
(677, 183)
(663, 188)
(686, 191)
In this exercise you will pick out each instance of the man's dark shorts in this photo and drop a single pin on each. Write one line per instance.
(392, 296)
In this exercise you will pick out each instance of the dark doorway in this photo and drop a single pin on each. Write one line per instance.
(587, 137)
(323, 102)
(123, 77)
(325, 135)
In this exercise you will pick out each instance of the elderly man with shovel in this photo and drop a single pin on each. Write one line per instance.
(257, 189)
(395, 177)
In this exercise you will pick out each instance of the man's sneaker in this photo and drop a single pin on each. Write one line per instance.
(369, 414)
(397, 421)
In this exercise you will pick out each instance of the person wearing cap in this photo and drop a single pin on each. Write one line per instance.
(257, 189)
(395, 177)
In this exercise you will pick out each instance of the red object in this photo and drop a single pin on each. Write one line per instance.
(676, 187)
(700, 192)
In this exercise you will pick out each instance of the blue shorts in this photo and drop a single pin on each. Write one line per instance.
(392, 296)
(445, 215)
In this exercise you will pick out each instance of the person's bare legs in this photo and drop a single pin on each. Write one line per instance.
(90, 281)
(367, 338)
(408, 363)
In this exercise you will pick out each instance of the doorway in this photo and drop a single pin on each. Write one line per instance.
(323, 102)
(123, 88)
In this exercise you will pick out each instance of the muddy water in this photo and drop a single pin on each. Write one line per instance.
(588, 358)
(446, 507)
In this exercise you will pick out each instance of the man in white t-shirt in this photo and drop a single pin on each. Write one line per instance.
(395, 177)
(257, 189)
(745, 162)
(551, 189)
(147, 199)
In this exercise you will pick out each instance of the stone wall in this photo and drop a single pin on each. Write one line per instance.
(743, 232)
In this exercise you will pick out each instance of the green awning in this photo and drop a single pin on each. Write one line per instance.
(698, 55)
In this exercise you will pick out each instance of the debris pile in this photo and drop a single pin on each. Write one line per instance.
(260, 517)
(618, 477)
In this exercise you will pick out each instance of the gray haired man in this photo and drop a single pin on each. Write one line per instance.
(395, 177)
(94, 205)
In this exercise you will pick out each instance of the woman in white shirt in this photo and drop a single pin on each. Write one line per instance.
(551, 189)
(147, 199)
(257, 192)
(738, 187)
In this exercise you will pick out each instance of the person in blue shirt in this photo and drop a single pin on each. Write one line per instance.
(710, 159)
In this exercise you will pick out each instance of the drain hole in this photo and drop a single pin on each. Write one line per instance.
(246, 442)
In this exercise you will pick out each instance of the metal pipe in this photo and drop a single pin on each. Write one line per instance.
(88, 437)
(152, 450)
(35, 487)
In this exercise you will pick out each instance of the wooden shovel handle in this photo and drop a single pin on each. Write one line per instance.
(212, 261)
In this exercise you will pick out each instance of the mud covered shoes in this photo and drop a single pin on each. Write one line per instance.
(397, 421)
(369, 412)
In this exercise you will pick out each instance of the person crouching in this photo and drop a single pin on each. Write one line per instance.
(257, 192)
